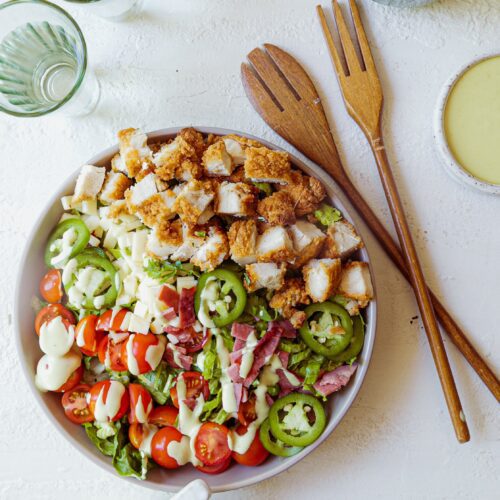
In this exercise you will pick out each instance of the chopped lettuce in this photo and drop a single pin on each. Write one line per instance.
(123, 377)
(257, 307)
(327, 215)
(264, 187)
(105, 437)
(158, 382)
(220, 417)
(212, 406)
(166, 272)
(128, 461)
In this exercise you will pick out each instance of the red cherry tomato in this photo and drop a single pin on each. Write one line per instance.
(50, 312)
(104, 321)
(255, 455)
(141, 404)
(105, 387)
(211, 444)
(73, 380)
(195, 385)
(159, 446)
(110, 354)
(51, 286)
(86, 332)
(139, 348)
(163, 415)
(169, 297)
(136, 434)
(247, 413)
(215, 469)
(76, 406)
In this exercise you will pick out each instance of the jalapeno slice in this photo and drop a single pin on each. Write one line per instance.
(357, 341)
(68, 239)
(322, 323)
(106, 290)
(220, 298)
(297, 419)
(273, 445)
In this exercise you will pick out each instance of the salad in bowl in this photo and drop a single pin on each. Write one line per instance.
(201, 302)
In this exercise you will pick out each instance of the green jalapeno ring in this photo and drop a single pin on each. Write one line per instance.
(357, 341)
(95, 257)
(275, 447)
(231, 283)
(337, 343)
(82, 239)
(278, 428)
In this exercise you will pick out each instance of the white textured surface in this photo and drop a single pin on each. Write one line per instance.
(178, 64)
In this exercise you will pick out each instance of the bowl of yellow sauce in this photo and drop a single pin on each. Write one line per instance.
(467, 124)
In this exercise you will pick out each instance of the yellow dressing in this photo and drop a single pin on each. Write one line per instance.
(472, 120)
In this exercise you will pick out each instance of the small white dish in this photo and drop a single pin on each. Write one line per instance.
(452, 166)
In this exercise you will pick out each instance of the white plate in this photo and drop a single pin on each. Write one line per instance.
(32, 268)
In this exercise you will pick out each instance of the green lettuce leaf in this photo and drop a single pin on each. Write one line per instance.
(130, 462)
(157, 382)
(327, 215)
(166, 272)
(105, 441)
(264, 187)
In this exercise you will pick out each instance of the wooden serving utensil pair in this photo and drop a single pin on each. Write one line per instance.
(284, 95)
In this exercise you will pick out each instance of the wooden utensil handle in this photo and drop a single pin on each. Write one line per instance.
(393, 251)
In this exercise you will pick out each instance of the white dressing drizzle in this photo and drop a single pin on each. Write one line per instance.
(228, 397)
(208, 296)
(149, 431)
(65, 244)
(155, 352)
(133, 366)
(55, 339)
(142, 413)
(247, 355)
(53, 371)
(106, 410)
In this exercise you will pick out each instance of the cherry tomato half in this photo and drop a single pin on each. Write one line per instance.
(211, 444)
(105, 386)
(255, 455)
(215, 469)
(110, 354)
(140, 345)
(51, 286)
(105, 324)
(247, 413)
(87, 337)
(76, 406)
(163, 415)
(159, 446)
(141, 404)
(50, 312)
(73, 380)
(195, 385)
(137, 433)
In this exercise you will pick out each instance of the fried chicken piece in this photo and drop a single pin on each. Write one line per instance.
(238, 175)
(288, 297)
(236, 146)
(321, 276)
(193, 199)
(341, 241)
(308, 241)
(177, 160)
(157, 208)
(117, 209)
(265, 275)
(216, 160)
(114, 187)
(194, 139)
(275, 245)
(242, 241)
(277, 209)
(356, 282)
(235, 198)
(213, 251)
(135, 154)
(306, 193)
(266, 165)
(165, 239)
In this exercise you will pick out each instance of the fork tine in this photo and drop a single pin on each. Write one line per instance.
(339, 68)
(273, 78)
(362, 40)
(345, 38)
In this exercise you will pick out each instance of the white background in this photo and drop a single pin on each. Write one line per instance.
(178, 64)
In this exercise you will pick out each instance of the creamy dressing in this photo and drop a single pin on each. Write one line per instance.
(181, 451)
(133, 366)
(142, 413)
(107, 406)
(65, 245)
(247, 355)
(149, 431)
(68, 271)
(53, 371)
(99, 301)
(55, 338)
(228, 397)
(154, 353)
(209, 294)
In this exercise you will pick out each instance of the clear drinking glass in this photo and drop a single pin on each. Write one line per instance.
(113, 10)
(43, 61)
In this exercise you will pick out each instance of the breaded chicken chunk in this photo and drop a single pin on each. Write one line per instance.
(307, 240)
(141, 191)
(265, 275)
(306, 192)
(341, 241)
(235, 198)
(236, 147)
(288, 297)
(213, 251)
(117, 209)
(216, 160)
(277, 209)
(194, 139)
(321, 276)
(193, 199)
(165, 239)
(242, 241)
(135, 154)
(266, 165)
(89, 183)
(114, 187)
(275, 245)
(356, 282)
(157, 208)
(177, 160)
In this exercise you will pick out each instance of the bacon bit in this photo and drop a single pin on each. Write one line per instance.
(241, 331)
(283, 355)
(284, 327)
(172, 352)
(334, 381)
(170, 314)
(186, 307)
(169, 297)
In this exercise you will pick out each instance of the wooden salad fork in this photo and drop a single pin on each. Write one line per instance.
(363, 98)
(283, 94)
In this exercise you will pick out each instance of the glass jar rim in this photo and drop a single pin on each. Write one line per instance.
(81, 72)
